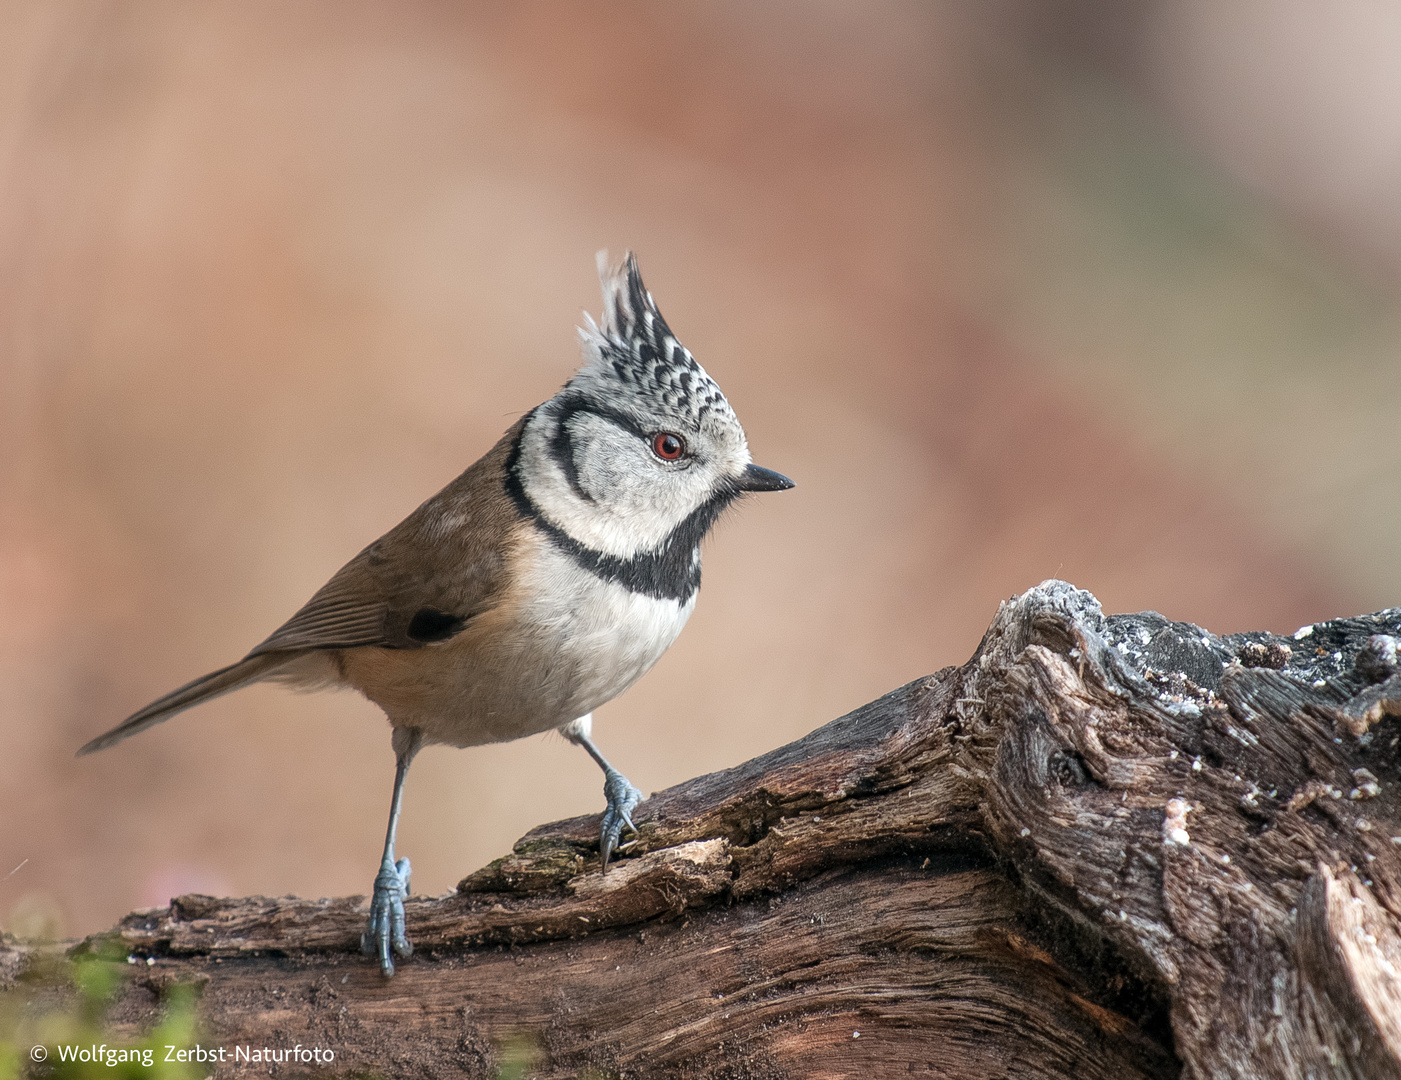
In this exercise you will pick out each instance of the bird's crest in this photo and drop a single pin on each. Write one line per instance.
(635, 347)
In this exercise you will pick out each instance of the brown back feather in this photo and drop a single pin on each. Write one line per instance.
(448, 556)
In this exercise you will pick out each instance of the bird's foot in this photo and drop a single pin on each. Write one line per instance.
(386, 928)
(622, 798)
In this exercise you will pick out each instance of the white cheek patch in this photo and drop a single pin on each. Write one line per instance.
(629, 504)
(609, 463)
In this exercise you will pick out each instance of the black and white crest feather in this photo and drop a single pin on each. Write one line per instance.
(635, 348)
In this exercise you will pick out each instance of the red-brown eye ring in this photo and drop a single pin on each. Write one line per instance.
(667, 446)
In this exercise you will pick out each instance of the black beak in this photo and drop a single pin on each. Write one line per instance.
(757, 478)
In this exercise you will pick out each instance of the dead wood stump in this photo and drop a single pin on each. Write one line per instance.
(1104, 847)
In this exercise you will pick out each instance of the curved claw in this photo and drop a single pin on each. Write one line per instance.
(385, 931)
(622, 799)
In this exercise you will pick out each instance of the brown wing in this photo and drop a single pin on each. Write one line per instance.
(424, 579)
(349, 610)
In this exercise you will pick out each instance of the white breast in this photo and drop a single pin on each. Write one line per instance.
(600, 636)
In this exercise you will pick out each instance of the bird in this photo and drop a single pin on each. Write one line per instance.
(537, 586)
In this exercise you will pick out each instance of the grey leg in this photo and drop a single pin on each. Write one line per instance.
(386, 927)
(621, 795)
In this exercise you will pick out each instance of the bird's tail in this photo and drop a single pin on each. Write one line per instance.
(249, 670)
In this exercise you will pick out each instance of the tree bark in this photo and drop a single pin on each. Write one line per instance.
(1104, 847)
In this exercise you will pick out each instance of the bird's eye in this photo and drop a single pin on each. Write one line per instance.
(667, 446)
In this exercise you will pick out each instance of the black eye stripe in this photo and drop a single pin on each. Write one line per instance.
(572, 406)
(561, 448)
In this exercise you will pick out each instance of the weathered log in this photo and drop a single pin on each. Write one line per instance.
(1104, 847)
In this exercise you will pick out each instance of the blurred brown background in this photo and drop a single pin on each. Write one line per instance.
(1012, 289)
